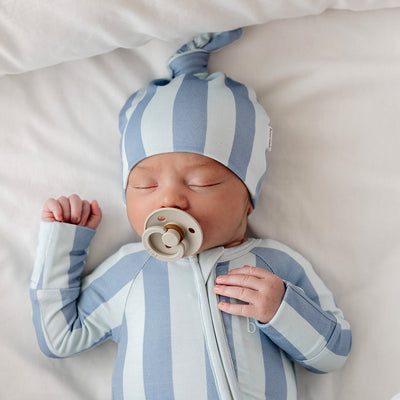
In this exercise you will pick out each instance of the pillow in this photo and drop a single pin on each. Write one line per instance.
(38, 33)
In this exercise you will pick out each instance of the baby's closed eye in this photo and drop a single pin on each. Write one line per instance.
(204, 182)
(143, 184)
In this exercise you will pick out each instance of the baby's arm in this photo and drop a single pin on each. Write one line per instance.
(72, 210)
(70, 315)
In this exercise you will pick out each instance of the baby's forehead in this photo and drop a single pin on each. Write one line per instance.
(179, 160)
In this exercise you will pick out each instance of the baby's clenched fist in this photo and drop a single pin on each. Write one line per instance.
(72, 210)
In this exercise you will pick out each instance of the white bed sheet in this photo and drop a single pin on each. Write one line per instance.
(331, 84)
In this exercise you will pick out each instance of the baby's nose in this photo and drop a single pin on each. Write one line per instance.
(172, 197)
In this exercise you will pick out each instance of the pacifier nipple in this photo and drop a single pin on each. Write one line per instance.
(170, 234)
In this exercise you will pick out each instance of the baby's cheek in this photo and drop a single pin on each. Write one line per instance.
(137, 222)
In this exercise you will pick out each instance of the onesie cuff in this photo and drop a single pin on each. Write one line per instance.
(61, 252)
(299, 327)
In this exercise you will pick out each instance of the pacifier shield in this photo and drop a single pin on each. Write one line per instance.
(170, 234)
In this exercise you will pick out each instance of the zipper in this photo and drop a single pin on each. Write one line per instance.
(209, 334)
(222, 341)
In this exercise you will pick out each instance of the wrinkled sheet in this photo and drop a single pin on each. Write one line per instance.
(330, 81)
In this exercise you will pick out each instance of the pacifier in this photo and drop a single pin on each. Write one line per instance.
(170, 234)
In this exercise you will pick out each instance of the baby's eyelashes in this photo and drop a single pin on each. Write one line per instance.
(143, 185)
(203, 183)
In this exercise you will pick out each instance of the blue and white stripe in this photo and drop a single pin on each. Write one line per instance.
(173, 343)
(212, 115)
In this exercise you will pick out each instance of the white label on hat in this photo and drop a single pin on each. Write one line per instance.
(269, 148)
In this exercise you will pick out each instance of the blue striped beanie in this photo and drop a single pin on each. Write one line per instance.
(195, 112)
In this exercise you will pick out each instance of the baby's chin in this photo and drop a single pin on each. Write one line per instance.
(234, 243)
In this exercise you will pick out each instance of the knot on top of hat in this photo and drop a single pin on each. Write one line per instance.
(192, 58)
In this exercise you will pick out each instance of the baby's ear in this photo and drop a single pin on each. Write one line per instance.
(251, 208)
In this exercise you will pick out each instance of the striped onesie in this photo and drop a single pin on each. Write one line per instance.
(173, 342)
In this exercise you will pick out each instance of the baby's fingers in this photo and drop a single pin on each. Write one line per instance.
(72, 210)
(76, 209)
(52, 211)
(251, 271)
(85, 213)
(65, 209)
(240, 280)
(236, 292)
(243, 310)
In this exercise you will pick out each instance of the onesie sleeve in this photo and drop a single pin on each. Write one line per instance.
(70, 315)
(308, 325)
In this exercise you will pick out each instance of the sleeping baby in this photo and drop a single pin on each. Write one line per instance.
(198, 310)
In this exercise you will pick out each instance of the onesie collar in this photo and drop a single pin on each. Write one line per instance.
(209, 258)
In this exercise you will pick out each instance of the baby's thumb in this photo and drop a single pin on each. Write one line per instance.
(95, 215)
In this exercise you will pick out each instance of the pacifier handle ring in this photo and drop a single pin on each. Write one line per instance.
(180, 248)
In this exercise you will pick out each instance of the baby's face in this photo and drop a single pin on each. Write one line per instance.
(199, 185)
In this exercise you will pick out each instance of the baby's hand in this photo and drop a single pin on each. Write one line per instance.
(262, 290)
(72, 210)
